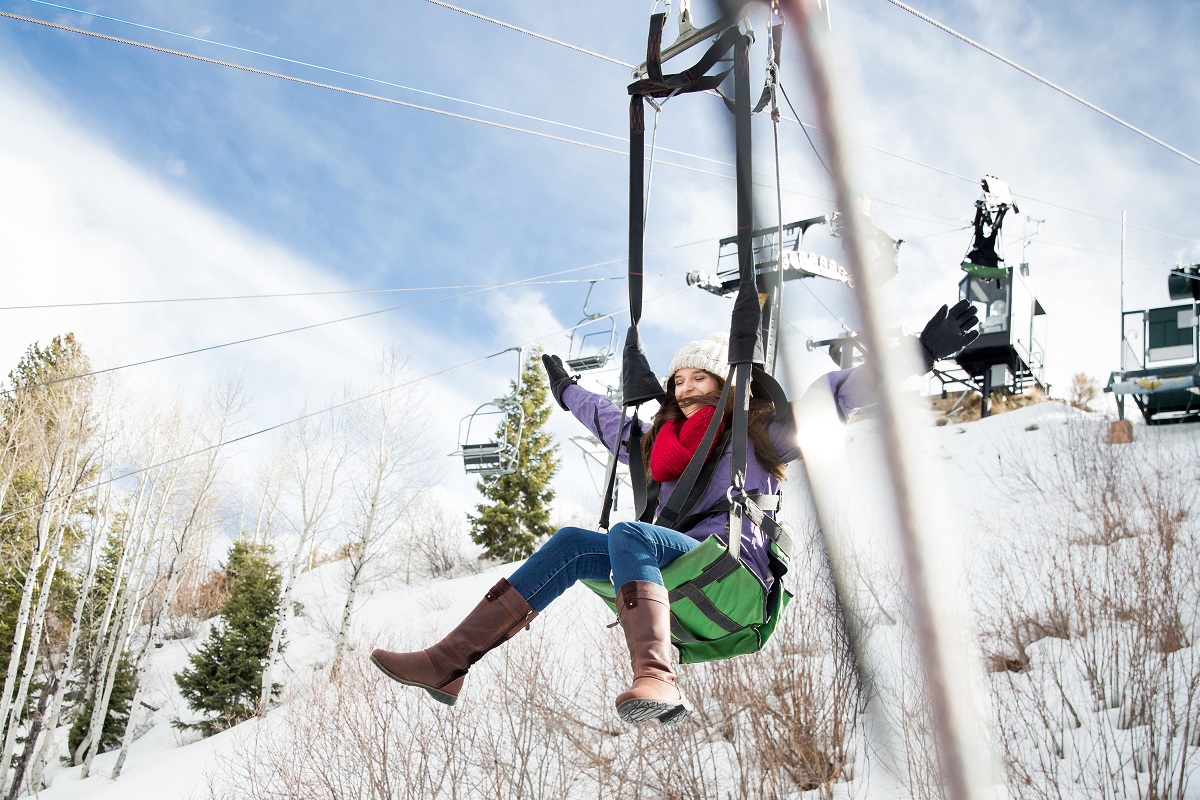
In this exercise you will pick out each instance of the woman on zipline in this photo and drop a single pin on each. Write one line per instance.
(634, 553)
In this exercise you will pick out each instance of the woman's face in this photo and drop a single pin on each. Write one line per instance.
(693, 383)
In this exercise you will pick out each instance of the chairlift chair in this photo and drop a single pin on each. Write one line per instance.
(591, 346)
(489, 438)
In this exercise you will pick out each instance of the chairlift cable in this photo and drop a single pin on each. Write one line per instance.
(319, 85)
(487, 287)
(804, 129)
(796, 120)
(1030, 73)
(333, 70)
(392, 101)
(285, 423)
(331, 292)
(650, 169)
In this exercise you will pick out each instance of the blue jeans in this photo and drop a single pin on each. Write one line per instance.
(631, 551)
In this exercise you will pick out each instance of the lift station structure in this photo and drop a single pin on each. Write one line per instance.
(1010, 351)
(780, 255)
(1160, 366)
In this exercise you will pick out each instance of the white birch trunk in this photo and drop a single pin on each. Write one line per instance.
(127, 609)
(48, 746)
(117, 647)
(192, 533)
(21, 629)
(10, 709)
(31, 657)
(316, 460)
(385, 449)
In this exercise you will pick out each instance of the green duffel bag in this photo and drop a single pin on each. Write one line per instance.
(719, 607)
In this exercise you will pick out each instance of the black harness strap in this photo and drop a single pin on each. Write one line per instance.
(674, 510)
(638, 382)
(689, 591)
(692, 79)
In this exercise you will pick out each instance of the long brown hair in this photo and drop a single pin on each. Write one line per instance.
(761, 413)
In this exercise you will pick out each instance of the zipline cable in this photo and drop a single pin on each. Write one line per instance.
(1030, 73)
(515, 129)
(322, 68)
(535, 35)
(309, 415)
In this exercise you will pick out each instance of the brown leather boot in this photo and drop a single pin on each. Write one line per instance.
(441, 669)
(644, 611)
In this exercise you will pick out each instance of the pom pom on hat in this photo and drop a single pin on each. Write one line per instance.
(710, 355)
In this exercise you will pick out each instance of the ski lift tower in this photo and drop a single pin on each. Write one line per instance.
(1009, 352)
(1160, 366)
(784, 245)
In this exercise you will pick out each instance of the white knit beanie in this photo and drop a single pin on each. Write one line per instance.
(710, 355)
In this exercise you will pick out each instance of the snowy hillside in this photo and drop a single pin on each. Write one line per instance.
(1083, 576)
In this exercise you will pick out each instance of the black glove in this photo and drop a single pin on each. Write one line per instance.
(559, 379)
(948, 331)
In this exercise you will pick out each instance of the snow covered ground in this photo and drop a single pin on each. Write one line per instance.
(1028, 541)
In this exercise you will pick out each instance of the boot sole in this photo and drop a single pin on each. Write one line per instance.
(639, 711)
(436, 694)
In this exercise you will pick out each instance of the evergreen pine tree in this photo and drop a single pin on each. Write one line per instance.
(225, 677)
(518, 516)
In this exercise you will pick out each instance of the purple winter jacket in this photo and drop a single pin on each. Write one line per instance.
(604, 418)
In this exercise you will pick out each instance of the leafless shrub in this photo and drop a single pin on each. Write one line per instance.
(199, 597)
(439, 543)
(532, 724)
(1083, 391)
(1108, 564)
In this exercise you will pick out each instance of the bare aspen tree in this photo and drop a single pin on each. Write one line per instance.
(182, 549)
(56, 429)
(142, 530)
(314, 455)
(96, 537)
(384, 478)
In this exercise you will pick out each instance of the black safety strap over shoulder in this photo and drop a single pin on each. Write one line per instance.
(746, 351)
(638, 382)
(677, 505)
(745, 344)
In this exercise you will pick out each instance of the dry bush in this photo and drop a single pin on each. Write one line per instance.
(966, 406)
(1083, 391)
(200, 596)
(1108, 566)
(440, 542)
(532, 724)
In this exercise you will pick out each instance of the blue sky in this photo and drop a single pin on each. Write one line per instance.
(130, 174)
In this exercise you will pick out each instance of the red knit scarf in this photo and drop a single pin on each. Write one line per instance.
(677, 442)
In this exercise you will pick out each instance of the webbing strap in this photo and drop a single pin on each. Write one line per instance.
(718, 570)
(645, 492)
(609, 485)
(764, 383)
(705, 606)
(692, 79)
(679, 634)
(675, 509)
(638, 382)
